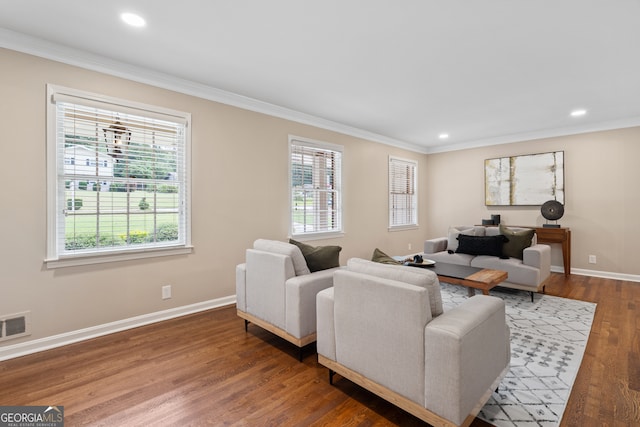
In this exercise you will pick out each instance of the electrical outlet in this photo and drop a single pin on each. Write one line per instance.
(166, 292)
(409, 246)
(592, 259)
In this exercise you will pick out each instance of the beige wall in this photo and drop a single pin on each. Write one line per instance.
(602, 203)
(239, 183)
(239, 176)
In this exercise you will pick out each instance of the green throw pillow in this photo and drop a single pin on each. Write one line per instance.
(518, 241)
(379, 256)
(319, 257)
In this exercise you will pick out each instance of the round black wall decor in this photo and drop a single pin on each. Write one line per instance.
(552, 210)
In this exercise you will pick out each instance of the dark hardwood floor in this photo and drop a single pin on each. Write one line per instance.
(203, 369)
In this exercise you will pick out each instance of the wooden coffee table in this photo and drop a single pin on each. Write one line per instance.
(471, 277)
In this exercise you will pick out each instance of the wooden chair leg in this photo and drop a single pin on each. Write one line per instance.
(246, 325)
(331, 374)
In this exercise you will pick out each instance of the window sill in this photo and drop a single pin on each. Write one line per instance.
(404, 227)
(114, 257)
(317, 236)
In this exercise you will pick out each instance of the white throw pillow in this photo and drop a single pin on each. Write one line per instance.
(453, 234)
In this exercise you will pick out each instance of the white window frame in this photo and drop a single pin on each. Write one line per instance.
(398, 218)
(56, 255)
(320, 146)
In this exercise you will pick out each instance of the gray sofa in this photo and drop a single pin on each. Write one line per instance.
(529, 273)
(383, 327)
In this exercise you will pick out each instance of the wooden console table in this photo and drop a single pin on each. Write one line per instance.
(557, 235)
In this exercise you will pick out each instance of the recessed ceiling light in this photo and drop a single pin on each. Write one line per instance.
(578, 113)
(443, 136)
(133, 19)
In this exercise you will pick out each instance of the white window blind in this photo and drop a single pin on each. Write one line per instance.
(120, 181)
(403, 196)
(316, 179)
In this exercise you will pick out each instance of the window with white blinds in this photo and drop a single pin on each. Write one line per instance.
(316, 187)
(118, 177)
(403, 195)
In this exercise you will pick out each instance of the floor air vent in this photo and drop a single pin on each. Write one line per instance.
(15, 325)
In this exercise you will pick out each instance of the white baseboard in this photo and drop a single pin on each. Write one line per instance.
(34, 346)
(596, 273)
(606, 274)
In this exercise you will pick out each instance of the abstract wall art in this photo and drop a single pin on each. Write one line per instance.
(528, 180)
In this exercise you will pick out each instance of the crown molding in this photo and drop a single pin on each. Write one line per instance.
(542, 134)
(45, 49)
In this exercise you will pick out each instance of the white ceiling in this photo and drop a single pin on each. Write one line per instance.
(400, 72)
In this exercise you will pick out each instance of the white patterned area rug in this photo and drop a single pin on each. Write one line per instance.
(548, 338)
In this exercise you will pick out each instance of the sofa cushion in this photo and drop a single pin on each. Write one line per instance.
(480, 245)
(416, 276)
(319, 257)
(518, 241)
(284, 248)
(451, 258)
(525, 276)
(454, 232)
(381, 257)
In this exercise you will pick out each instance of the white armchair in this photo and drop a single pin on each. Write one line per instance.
(382, 334)
(276, 291)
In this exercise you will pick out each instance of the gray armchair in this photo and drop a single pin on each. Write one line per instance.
(383, 334)
(276, 291)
